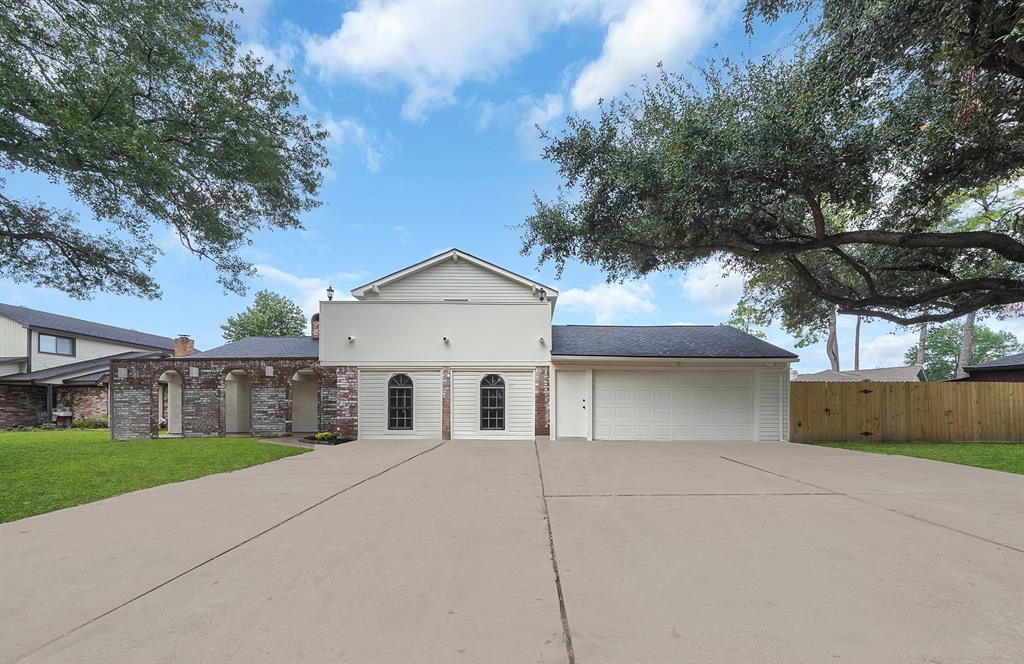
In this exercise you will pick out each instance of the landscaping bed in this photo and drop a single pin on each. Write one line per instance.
(327, 438)
(42, 471)
(1008, 457)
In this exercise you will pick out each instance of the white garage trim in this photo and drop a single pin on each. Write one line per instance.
(519, 405)
(373, 404)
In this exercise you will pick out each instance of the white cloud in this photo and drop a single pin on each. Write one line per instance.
(249, 15)
(609, 302)
(541, 112)
(430, 47)
(648, 32)
(886, 350)
(710, 286)
(308, 291)
(348, 131)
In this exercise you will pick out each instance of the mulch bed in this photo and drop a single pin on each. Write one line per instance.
(333, 440)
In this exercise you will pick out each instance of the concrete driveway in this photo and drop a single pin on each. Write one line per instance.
(425, 552)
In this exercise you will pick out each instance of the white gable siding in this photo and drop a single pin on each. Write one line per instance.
(455, 280)
(773, 406)
(86, 348)
(519, 405)
(373, 404)
(13, 338)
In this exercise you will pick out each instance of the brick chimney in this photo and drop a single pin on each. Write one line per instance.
(314, 326)
(184, 346)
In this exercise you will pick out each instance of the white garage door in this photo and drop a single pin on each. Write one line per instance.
(518, 405)
(373, 405)
(673, 405)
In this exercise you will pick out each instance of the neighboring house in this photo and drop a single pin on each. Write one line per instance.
(912, 374)
(456, 347)
(1009, 369)
(54, 366)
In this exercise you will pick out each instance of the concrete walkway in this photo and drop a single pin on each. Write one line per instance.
(417, 551)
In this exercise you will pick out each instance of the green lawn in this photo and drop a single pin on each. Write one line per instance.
(1008, 457)
(41, 471)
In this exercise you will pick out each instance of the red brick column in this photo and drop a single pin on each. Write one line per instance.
(446, 403)
(348, 401)
(541, 391)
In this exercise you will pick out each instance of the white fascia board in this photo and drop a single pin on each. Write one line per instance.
(672, 362)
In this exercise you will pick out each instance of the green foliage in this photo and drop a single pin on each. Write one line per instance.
(270, 315)
(90, 423)
(835, 175)
(942, 348)
(147, 113)
(49, 470)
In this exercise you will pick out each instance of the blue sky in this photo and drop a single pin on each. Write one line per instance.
(432, 110)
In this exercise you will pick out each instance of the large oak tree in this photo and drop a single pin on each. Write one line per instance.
(841, 174)
(150, 117)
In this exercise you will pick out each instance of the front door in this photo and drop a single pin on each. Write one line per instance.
(572, 404)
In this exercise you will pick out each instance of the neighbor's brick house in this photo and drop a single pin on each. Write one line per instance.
(55, 368)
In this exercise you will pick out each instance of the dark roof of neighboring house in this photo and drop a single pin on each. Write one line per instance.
(99, 365)
(58, 323)
(910, 374)
(1008, 362)
(265, 347)
(682, 341)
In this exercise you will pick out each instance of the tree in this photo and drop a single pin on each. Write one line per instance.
(147, 113)
(943, 348)
(825, 180)
(271, 315)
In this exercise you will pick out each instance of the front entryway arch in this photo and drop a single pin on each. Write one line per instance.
(305, 401)
(237, 402)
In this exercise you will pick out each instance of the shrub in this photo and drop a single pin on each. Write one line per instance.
(323, 435)
(90, 423)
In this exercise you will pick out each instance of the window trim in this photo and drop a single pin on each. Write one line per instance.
(39, 345)
(503, 386)
(411, 387)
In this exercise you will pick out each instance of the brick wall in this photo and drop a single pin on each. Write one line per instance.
(21, 405)
(84, 400)
(134, 405)
(542, 401)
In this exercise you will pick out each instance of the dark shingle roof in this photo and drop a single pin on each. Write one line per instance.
(265, 347)
(1002, 363)
(58, 323)
(909, 374)
(684, 341)
(98, 365)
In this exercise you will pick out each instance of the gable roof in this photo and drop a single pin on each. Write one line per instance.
(452, 254)
(1008, 362)
(77, 371)
(670, 341)
(41, 319)
(264, 347)
(910, 374)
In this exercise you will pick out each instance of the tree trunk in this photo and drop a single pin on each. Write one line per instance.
(832, 347)
(920, 344)
(966, 344)
(856, 346)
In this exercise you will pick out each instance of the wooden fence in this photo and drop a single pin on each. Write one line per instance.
(893, 412)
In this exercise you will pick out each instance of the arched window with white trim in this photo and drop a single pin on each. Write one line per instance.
(492, 403)
(400, 403)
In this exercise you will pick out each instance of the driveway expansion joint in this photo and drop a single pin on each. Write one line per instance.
(880, 506)
(223, 553)
(566, 632)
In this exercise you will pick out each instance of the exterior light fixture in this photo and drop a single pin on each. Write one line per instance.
(351, 339)
(446, 340)
(330, 293)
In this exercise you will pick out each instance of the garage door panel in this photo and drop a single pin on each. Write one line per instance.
(673, 405)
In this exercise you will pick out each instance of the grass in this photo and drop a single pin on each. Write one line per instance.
(42, 471)
(1008, 457)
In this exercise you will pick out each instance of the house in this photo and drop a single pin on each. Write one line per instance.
(911, 374)
(457, 347)
(1009, 369)
(54, 366)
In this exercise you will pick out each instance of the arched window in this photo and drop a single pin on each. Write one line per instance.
(400, 403)
(492, 403)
